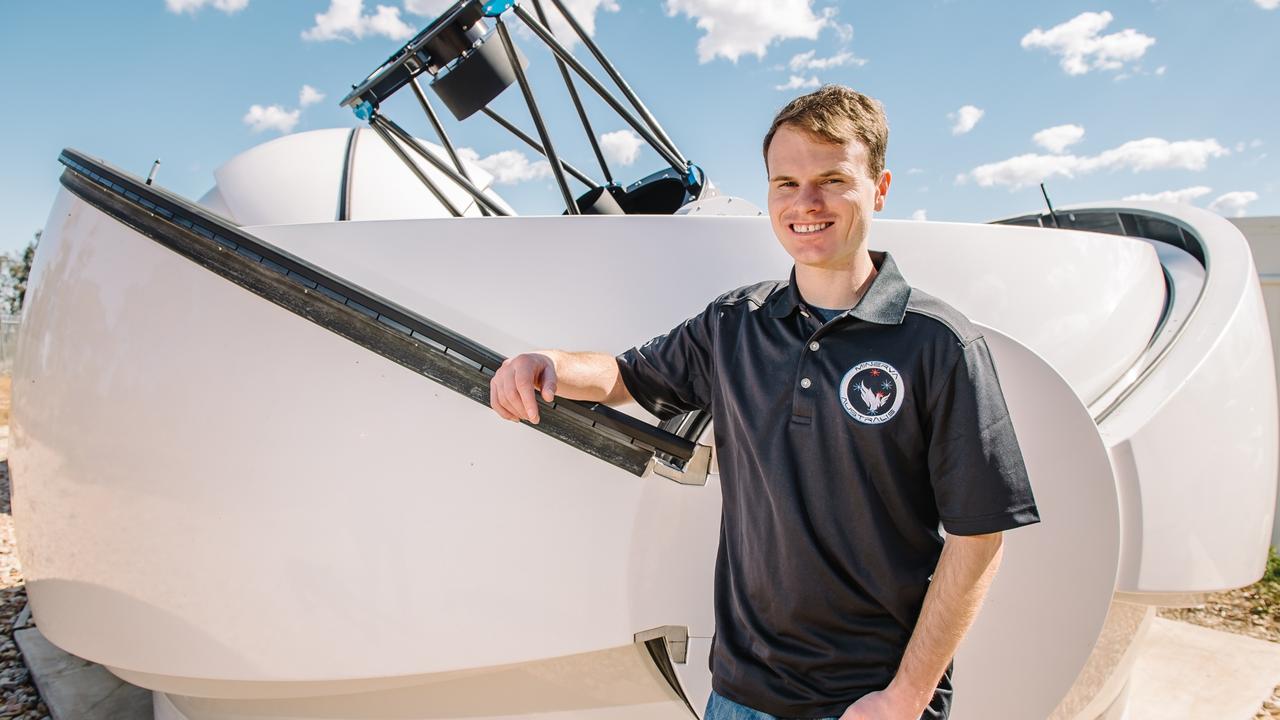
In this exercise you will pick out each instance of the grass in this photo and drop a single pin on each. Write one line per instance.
(1268, 588)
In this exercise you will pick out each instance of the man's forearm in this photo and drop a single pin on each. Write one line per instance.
(591, 376)
(964, 574)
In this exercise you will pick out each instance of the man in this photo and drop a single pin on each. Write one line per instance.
(853, 415)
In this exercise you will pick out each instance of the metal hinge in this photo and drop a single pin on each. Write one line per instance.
(694, 471)
(674, 637)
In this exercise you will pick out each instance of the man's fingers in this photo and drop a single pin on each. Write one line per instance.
(528, 400)
(511, 398)
(495, 398)
(549, 384)
(513, 390)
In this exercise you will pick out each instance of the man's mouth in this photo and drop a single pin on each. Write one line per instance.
(809, 228)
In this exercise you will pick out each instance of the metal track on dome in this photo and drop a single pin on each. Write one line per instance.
(365, 318)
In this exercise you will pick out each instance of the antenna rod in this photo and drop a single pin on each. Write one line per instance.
(1052, 214)
(155, 167)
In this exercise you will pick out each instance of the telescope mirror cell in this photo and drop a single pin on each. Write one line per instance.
(479, 76)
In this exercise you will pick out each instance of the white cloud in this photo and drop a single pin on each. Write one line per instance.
(807, 61)
(1233, 203)
(309, 96)
(508, 167)
(1267, 4)
(1136, 156)
(272, 117)
(1185, 195)
(733, 28)
(1161, 70)
(798, 82)
(191, 6)
(920, 216)
(428, 8)
(621, 147)
(1157, 154)
(1022, 170)
(1059, 137)
(345, 19)
(584, 10)
(1083, 48)
(965, 119)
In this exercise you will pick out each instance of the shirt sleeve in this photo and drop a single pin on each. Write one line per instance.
(672, 374)
(979, 478)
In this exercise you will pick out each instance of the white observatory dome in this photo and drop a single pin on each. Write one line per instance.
(335, 174)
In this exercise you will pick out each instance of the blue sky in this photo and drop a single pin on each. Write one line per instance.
(984, 99)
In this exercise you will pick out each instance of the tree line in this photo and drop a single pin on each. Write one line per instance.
(15, 269)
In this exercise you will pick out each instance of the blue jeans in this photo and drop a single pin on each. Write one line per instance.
(720, 707)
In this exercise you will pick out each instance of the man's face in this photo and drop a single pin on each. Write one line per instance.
(821, 198)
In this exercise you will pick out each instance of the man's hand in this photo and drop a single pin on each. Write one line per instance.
(883, 705)
(513, 391)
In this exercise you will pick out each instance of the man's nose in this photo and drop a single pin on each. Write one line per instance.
(809, 197)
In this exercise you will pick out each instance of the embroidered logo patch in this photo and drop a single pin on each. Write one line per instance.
(871, 392)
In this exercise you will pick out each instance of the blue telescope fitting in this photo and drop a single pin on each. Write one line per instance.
(364, 110)
(694, 178)
(494, 8)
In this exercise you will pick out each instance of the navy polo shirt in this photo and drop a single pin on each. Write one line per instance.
(843, 448)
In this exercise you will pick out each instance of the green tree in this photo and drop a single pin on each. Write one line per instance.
(17, 269)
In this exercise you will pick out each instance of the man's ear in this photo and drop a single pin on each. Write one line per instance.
(882, 189)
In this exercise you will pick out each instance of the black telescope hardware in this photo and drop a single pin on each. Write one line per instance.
(413, 167)
(440, 133)
(511, 128)
(557, 170)
(577, 102)
(470, 58)
(618, 80)
(563, 53)
(388, 124)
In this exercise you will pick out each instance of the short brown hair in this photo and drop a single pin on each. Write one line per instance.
(837, 114)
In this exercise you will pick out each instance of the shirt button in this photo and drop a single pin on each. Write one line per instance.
(814, 346)
(805, 383)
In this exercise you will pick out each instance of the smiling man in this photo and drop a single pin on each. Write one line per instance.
(856, 419)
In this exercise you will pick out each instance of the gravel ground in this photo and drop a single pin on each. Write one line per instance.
(18, 697)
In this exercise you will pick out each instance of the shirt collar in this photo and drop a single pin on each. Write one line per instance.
(885, 302)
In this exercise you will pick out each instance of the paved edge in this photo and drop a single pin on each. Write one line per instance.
(1188, 672)
(75, 689)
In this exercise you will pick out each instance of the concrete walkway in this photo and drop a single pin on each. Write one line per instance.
(75, 689)
(1184, 672)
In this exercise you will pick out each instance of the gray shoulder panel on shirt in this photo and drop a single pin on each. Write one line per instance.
(922, 303)
(756, 293)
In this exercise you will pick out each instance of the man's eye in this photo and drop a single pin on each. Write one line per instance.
(835, 181)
